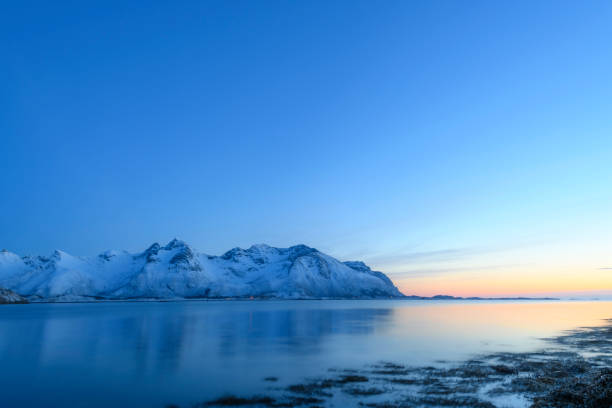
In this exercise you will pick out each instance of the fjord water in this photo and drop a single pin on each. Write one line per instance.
(149, 354)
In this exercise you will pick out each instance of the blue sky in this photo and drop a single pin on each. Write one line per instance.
(453, 144)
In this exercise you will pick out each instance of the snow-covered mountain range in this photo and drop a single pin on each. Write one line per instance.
(177, 271)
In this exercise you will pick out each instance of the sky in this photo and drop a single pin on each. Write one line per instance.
(463, 148)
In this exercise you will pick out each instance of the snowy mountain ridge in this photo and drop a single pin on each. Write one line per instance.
(176, 271)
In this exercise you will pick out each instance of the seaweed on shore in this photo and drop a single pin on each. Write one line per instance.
(260, 401)
(233, 401)
(432, 401)
(317, 387)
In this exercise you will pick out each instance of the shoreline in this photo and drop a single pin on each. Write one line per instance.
(574, 371)
(264, 299)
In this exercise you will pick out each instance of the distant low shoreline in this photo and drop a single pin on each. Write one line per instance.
(262, 299)
(448, 297)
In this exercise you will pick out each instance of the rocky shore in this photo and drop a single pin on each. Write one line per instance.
(575, 371)
(8, 297)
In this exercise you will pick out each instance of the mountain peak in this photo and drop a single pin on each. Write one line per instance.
(259, 247)
(175, 243)
(8, 255)
(154, 248)
(302, 247)
(59, 254)
(233, 254)
(300, 250)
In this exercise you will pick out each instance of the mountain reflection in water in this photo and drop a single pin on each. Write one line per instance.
(148, 354)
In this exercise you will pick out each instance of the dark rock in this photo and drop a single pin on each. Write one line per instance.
(10, 297)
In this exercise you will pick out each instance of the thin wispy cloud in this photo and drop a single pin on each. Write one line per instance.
(419, 257)
(412, 258)
(438, 256)
(428, 272)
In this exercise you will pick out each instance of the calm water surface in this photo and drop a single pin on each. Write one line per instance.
(153, 354)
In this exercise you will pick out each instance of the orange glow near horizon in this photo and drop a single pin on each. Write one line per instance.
(577, 262)
(516, 283)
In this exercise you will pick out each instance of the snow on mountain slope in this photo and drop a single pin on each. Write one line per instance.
(177, 271)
